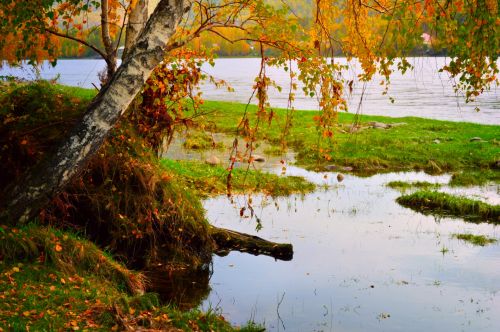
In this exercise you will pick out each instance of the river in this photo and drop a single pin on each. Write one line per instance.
(421, 92)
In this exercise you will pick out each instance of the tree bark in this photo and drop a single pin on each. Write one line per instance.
(136, 22)
(107, 41)
(49, 178)
(229, 240)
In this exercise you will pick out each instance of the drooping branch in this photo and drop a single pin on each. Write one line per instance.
(49, 178)
(78, 40)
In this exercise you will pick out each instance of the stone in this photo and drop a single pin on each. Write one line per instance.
(347, 168)
(331, 167)
(258, 158)
(340, 177)
(436, 141)
(212, 160)
(379, 125)
(476, 139)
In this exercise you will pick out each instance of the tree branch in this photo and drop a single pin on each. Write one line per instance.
(78, 40)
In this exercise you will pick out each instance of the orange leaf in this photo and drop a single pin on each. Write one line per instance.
(58, 247)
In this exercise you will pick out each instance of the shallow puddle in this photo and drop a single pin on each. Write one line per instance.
(272, 161)
(361, 262)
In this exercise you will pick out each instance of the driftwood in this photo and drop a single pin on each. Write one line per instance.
(228, 240)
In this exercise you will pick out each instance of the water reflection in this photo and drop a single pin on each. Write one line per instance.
(361, 263)
(186, 288)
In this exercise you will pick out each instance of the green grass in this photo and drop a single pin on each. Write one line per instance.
(212, 180)
(402, 185)
(404, 147)
(52, 280)
(199, 140)
(442, 204)
(475, 178)
(477, 240)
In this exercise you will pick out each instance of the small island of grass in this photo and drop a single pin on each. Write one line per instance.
(442, 204)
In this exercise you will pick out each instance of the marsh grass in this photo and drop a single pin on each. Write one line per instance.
(475, 178)
(477, 240)
(403, 185)
(212, 180)
(442, 204)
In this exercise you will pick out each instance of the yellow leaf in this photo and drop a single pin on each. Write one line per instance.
(63, 281)
(26, 313)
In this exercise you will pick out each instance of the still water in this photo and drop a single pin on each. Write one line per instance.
(422, 92)
(361, 262)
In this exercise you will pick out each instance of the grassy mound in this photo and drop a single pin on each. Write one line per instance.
(124, 200)
(402, 185)
(442, 204)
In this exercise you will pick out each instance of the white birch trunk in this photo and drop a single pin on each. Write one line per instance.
(136, 22)
(42, 183)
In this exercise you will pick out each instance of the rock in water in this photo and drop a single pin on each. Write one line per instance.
(258, 158)
(379, 125)
(212, 160)
(340, 177)
(331, 167)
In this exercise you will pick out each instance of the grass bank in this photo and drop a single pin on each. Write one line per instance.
(53, 280)
(442, 204)
(413, 144)
(212, 180)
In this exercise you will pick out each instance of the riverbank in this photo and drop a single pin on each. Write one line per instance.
(44, 267)
(372, 144)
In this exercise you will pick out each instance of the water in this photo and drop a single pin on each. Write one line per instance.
(361, 263)
(422, 92)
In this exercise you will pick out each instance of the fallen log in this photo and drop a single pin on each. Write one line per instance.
(228, 240)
